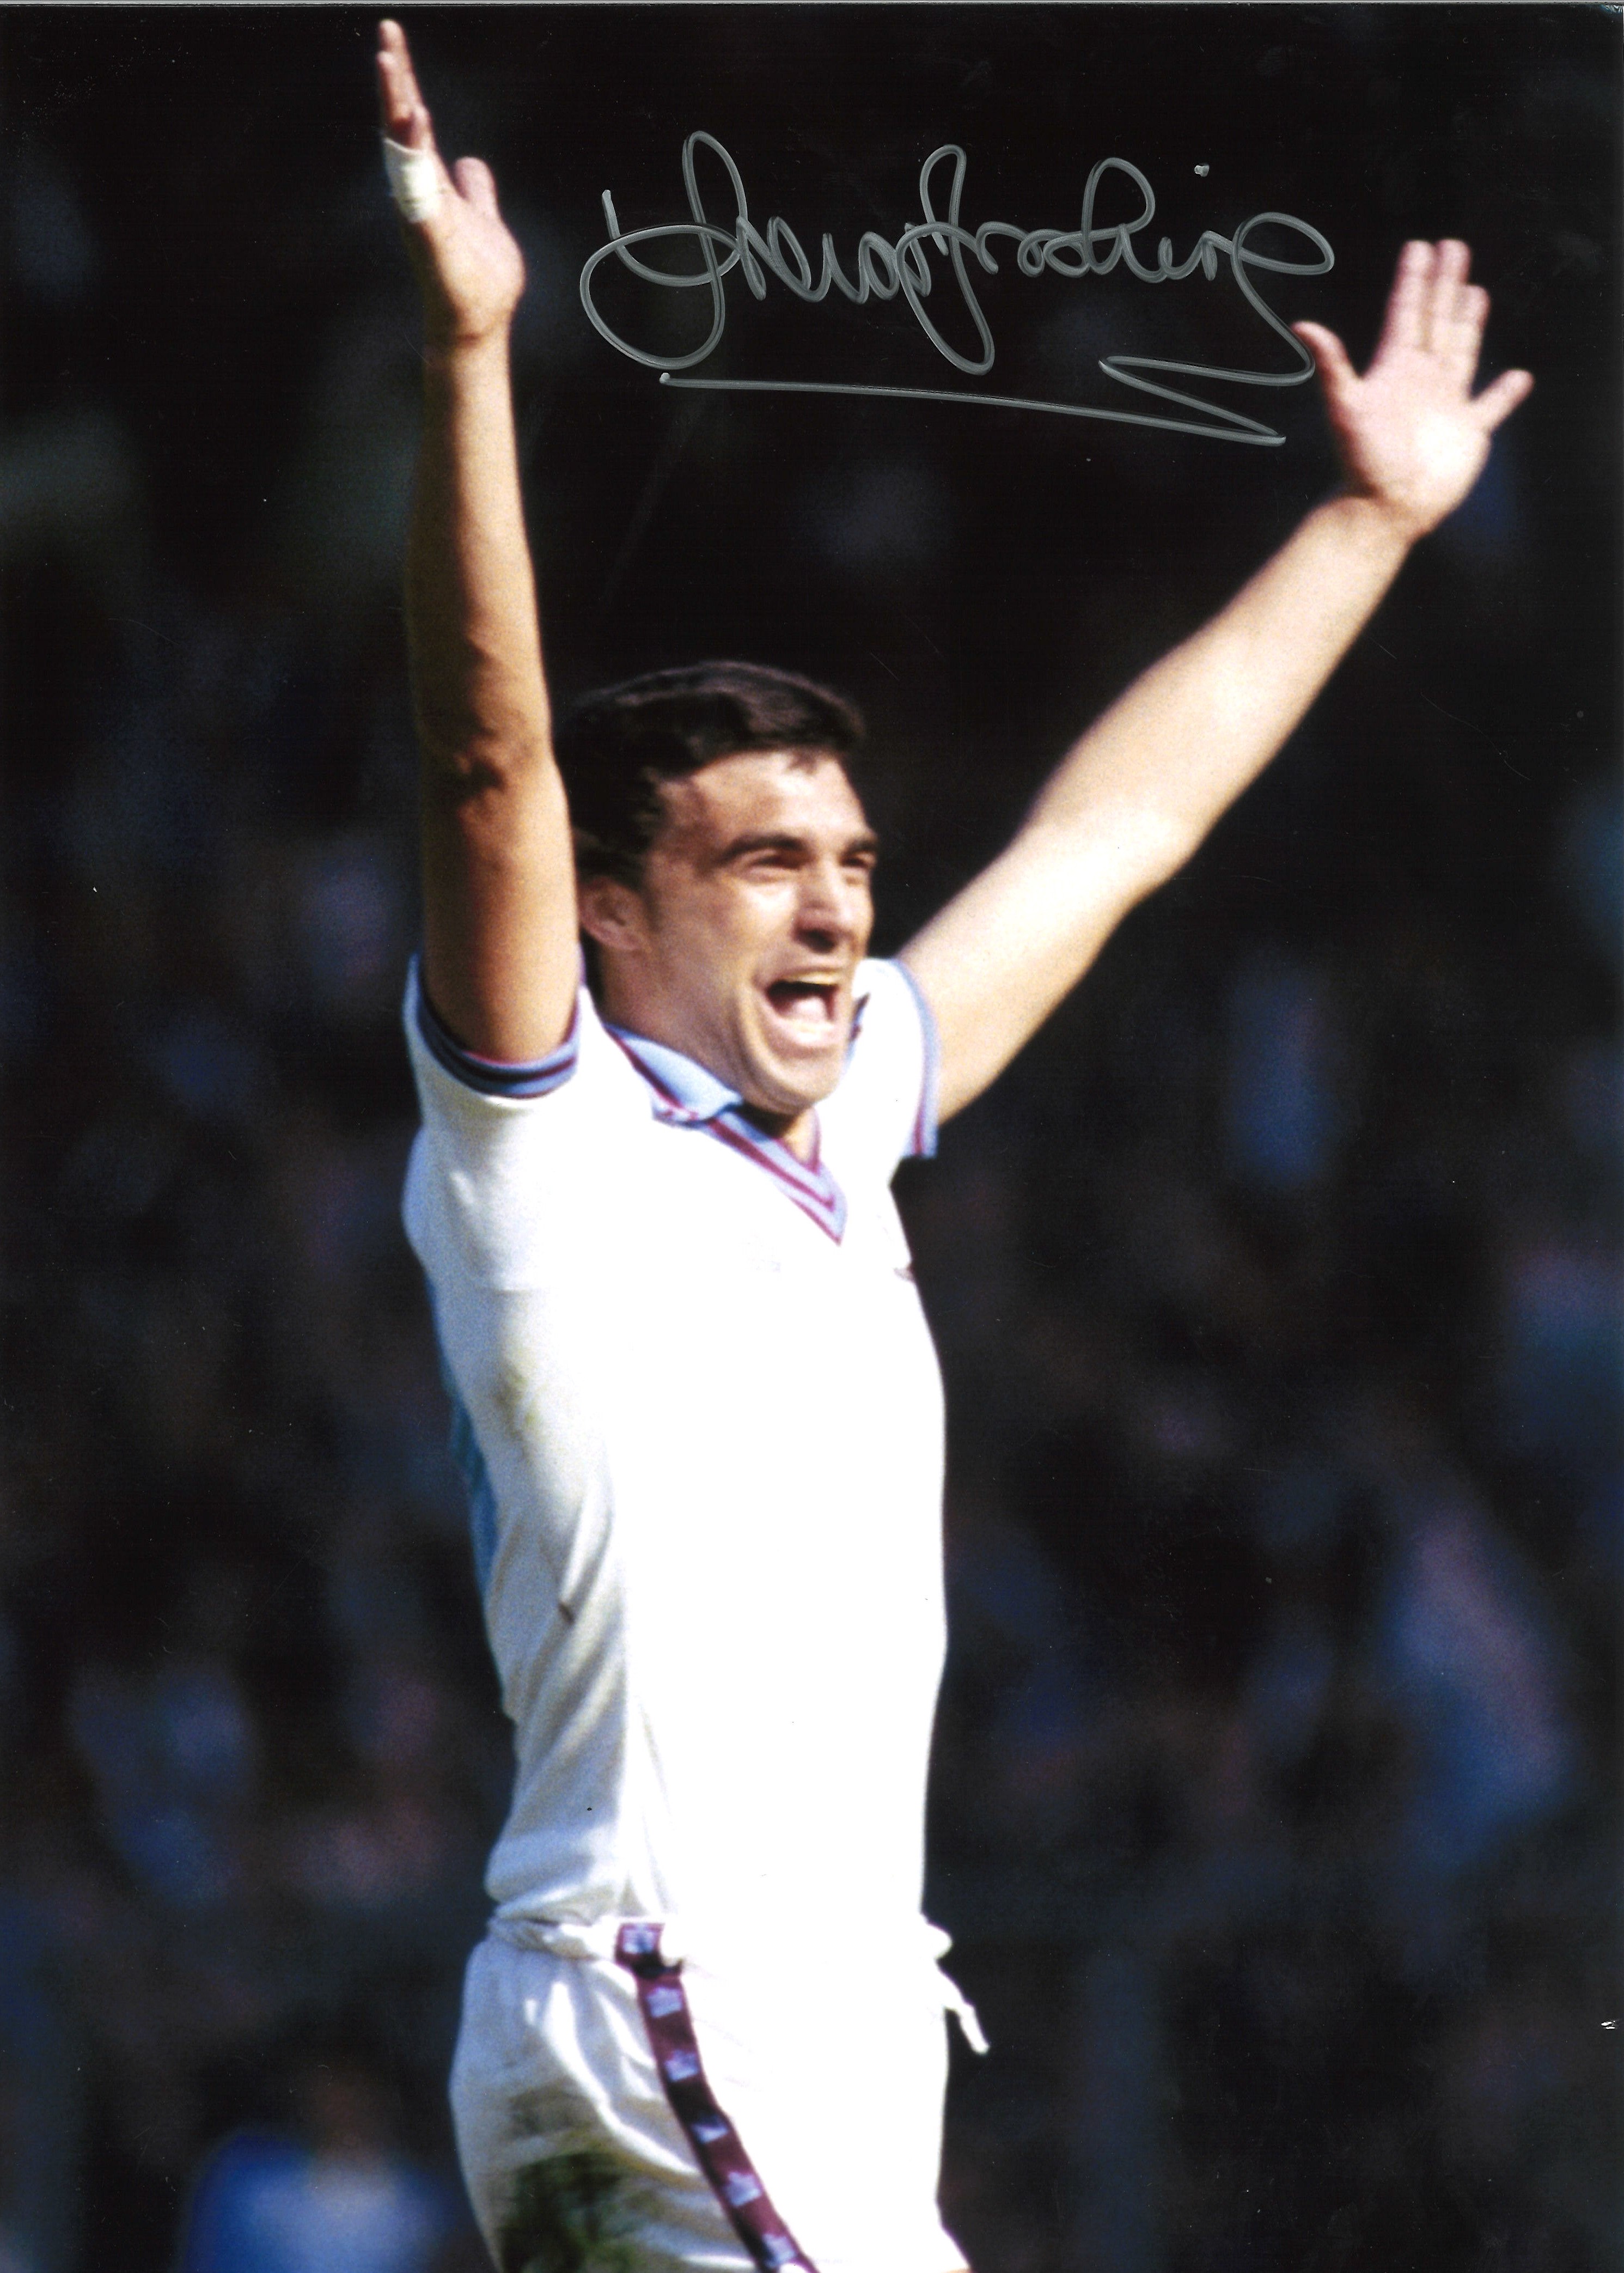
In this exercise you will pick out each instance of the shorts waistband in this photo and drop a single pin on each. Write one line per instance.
(600, 1938)
(597, 1938)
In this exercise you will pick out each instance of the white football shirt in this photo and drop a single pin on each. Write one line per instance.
(701, 1416)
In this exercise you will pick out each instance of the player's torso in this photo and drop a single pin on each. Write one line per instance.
(714, 1433)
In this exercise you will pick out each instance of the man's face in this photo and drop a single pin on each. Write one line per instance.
(753, 914)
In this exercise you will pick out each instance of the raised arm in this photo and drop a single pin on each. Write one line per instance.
(1132, 800)
(499, 932)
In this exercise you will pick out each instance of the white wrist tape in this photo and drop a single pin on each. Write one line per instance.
(413, 180)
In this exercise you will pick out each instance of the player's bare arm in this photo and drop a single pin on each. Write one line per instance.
(1135, 796)
(500, 929)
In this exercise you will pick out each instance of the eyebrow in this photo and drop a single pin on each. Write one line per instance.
(773, 840)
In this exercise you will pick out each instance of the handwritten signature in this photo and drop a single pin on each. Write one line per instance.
(885, 269)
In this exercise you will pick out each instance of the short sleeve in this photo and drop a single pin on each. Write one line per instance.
(884, 1110)
(506, 1152)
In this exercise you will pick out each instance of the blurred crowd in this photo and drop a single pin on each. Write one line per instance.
(1277, 1293)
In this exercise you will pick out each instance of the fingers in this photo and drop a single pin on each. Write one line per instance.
(1434, 311)
(407, 120)
(1441, 298)
(1406, 311)
(1337, 375)
(1446, 296)
(1498, 401)
(404, 113)
(1458, 340)
(477, 183)
(1430, 300)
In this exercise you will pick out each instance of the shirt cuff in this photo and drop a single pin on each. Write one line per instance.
(922, 1142)
(496, 1077)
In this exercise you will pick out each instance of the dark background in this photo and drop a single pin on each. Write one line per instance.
(1276, 1285)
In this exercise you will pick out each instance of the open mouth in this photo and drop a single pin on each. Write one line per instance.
(810, 1005)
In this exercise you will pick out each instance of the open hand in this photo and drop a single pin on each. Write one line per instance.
(471, 271)
(1411, 436)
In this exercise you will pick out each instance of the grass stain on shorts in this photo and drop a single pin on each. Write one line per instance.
(573, 2213)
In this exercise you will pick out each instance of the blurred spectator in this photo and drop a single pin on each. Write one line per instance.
(42, 2109)
(1467, 1650)
(1283, 1110)
(341, 2198)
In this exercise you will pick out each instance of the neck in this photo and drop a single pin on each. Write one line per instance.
(797, 1132)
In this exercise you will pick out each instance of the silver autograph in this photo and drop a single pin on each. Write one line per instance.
(884, 268)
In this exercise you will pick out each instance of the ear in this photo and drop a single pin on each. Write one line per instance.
(613, 915)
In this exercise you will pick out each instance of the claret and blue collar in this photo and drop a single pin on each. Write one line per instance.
(683, 1094)
(685, 1091)
(688, 1095)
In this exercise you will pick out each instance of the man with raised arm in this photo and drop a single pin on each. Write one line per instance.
(695, 1400)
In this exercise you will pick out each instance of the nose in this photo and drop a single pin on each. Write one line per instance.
(832, 906)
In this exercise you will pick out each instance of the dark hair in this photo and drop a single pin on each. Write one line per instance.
(617, 745)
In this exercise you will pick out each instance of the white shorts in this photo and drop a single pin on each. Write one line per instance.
(639, 2122)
